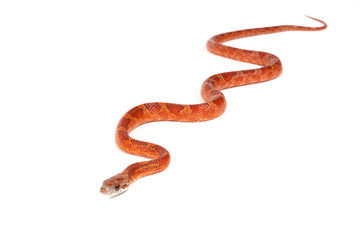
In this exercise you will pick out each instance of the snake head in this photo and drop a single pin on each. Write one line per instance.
(115, 185)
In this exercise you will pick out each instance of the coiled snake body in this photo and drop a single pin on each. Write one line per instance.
(213, 107)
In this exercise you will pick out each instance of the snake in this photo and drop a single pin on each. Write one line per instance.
(213, 106)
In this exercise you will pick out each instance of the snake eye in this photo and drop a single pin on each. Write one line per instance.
(117, 187)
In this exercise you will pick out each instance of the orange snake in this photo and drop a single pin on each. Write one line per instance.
(213, 107)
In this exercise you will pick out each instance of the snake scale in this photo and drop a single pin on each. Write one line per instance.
(213, 107)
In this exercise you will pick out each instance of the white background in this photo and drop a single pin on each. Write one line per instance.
(283, 162)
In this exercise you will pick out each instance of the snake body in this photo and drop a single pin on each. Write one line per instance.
(213, 107)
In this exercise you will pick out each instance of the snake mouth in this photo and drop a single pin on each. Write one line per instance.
(111, 191)
(117, 194)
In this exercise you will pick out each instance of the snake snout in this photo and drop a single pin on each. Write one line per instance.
(105, 190)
